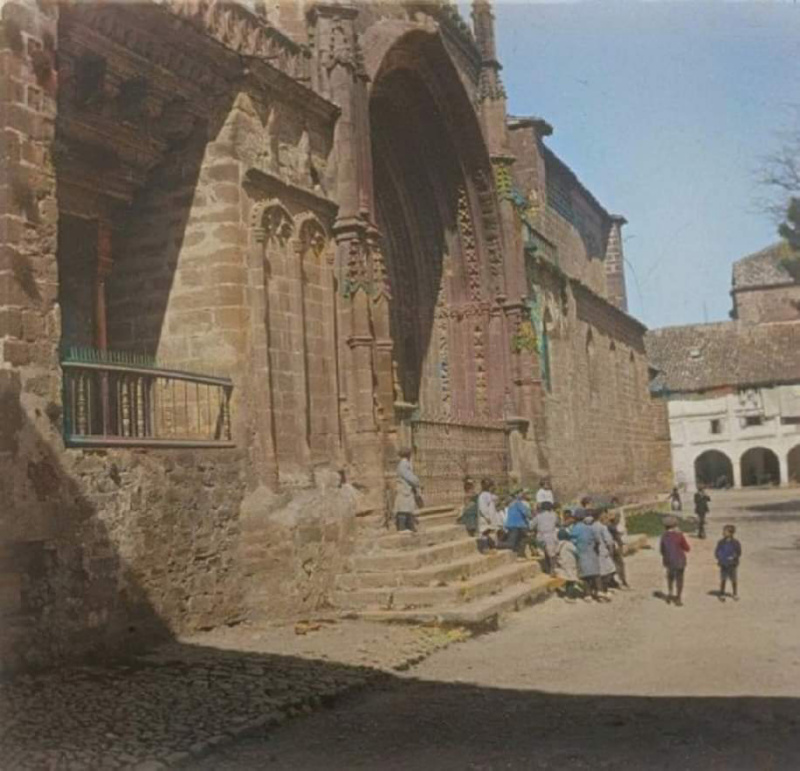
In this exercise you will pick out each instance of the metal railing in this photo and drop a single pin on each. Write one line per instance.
(121, 399)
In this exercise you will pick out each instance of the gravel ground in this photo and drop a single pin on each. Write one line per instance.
(631, 684)
(179, 702)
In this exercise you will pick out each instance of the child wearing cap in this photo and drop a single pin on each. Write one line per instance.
(674, 547)
(728, 554)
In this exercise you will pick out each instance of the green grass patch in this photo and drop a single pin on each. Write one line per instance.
(651, 523)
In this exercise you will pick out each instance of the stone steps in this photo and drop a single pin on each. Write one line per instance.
(427, 536)
(381, 561)
(435, 575)
(482, 613)
(432, 575)
(481, 585)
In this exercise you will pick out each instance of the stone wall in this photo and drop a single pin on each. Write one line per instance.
(601, 431)
(112, 548)
(769, 304)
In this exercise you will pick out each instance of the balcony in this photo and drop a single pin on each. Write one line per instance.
(114, 399)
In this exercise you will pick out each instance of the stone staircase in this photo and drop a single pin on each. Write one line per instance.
(434, 576)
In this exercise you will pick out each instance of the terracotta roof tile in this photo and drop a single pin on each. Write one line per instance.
(700, 357)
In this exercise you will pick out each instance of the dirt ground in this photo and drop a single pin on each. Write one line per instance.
(631, 684)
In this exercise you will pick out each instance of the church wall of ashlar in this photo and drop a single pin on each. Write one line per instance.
(321, 223)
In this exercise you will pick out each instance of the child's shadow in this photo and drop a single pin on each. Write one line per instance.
(661, 596)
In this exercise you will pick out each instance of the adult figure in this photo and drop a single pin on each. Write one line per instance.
(408, 493)
(675, 500)
(585, 538)
(544, 495)
(701, 509)
(545, 526)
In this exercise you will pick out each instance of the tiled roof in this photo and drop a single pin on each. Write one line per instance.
(762, 268)
(700, 357)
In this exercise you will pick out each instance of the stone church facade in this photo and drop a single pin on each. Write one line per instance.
(247, 252)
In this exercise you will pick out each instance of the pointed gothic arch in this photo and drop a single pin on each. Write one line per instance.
(314, 254)
(435, 206)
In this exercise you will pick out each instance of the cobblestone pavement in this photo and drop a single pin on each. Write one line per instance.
(186, 698)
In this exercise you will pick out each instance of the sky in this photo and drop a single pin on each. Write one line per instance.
(665, 111)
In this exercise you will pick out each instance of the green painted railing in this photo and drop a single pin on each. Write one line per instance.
(118, 398)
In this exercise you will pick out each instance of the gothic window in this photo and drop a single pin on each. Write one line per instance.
(591, 366)
(544, 350)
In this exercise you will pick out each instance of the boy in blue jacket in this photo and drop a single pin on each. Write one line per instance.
(518, 524)
(728, 554)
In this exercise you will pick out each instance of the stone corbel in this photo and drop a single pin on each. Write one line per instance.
(517, 424)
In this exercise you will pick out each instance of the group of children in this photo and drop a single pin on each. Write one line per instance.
(674, 548)
(583, 546)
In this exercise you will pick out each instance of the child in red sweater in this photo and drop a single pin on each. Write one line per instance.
(673, 553)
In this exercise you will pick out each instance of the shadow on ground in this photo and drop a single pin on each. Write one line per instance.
(433, 725)
(178, 704)
(781, 507)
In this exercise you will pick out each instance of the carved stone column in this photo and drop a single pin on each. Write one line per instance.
(363, 302)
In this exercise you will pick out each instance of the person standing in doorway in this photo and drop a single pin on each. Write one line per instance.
(407, 495)
(674, 548)
(701, 509)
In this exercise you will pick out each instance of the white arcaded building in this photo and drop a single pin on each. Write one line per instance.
(733, 388)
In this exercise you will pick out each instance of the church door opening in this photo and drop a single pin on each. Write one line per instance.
(428, 206)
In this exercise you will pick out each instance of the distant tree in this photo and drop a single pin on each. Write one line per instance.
(790, 227)
(780, 175)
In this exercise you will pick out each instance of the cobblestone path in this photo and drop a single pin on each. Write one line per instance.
(166, 708)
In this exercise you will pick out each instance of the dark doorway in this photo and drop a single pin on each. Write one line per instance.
(713, 469)
(760, 466)
(793, 464)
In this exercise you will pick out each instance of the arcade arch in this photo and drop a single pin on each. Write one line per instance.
(713, 468)
(793, 465)
(760, 466)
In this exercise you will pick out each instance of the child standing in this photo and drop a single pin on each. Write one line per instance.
(728, 554)
(567, 563)
(674, 547)
(518, 524)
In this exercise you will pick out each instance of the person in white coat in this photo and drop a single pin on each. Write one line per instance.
(545, 494)
(489, 518)
(407, 494)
